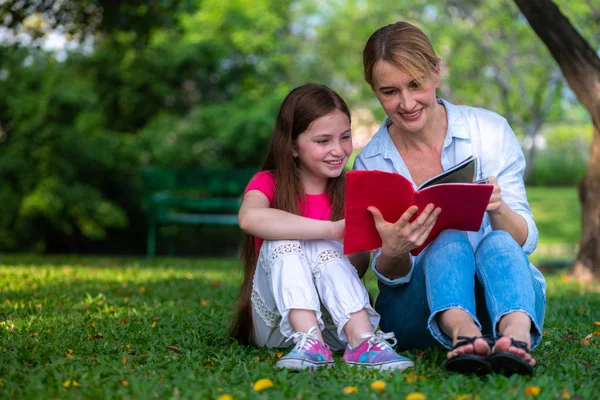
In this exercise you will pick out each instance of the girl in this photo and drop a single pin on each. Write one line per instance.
(297, 284)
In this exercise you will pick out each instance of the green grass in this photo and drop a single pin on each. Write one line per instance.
(107, 323)
(133, 328)
(557, 214)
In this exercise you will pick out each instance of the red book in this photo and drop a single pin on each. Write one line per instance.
(463, 205)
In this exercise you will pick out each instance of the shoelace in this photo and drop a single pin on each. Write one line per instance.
(380, 339)
(303, 339)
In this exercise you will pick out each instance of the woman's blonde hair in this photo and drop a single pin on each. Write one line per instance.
(404, 46)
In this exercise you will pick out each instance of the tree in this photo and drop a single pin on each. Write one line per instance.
(581, 67)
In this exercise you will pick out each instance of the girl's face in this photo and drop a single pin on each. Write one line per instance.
(323, 150)
(409, 104)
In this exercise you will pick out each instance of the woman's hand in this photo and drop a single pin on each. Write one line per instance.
(402, 236)
(495, 202)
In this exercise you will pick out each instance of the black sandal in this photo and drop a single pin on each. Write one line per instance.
(470, 363)
(507, 363)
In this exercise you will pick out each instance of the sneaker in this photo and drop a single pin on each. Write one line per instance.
(308, 353)
(377, 353)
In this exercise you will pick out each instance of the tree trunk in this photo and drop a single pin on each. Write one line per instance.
(581, 67)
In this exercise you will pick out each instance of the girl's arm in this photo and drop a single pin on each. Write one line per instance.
(258, 219)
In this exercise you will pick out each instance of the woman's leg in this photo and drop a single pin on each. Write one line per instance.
(515, 301)
(438, 304)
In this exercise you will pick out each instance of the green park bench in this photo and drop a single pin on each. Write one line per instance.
(192, 196)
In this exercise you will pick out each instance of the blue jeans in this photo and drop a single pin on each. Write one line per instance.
(488, 283)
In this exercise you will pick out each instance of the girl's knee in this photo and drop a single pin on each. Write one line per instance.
(274, 249)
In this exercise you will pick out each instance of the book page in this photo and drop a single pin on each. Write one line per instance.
(463, 172)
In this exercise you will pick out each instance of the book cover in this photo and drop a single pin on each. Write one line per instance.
(463, 205)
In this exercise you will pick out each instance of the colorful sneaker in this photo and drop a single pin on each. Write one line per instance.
(376, 353)
(308, 353)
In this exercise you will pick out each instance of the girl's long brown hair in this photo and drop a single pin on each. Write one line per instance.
(300, 108)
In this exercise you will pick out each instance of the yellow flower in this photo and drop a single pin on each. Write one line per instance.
(66, 384)
(533, 391)
(463, 397)
(415, 396)
(225, 397)
(154, 324)
(263, 384)
(124, 382)
(565, 394)
(378, 386)
(75, 383)
(350, 390)
(414, 378)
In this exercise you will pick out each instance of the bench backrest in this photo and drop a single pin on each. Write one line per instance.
(205, 182)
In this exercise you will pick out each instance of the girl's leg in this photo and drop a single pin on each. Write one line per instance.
(341, 291)
(283, 287)
(347, 300)
(514, 299)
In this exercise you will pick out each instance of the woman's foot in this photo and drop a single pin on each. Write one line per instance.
(469, 350)
(510, 354)
(459, 325)
(515, 326)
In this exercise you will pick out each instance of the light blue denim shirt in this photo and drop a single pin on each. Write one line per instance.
(471, 131)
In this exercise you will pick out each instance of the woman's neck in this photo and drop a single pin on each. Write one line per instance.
(431, 137)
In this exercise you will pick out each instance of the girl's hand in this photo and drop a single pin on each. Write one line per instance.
(403, 236)
(336, 230)
(496, 197)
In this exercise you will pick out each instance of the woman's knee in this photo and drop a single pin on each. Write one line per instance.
(450, 240)
(498, 246)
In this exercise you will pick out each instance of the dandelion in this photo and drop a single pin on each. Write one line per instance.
(154, 324)
(350, 390)
(533, 391)
(565, 394)
(124, 382)
(263, 384)
(463, 397)
(415, 396)
(378, 386)
(225, 397)
(414, 378)
(67, 384)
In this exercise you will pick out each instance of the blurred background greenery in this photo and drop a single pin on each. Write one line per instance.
(92, 91)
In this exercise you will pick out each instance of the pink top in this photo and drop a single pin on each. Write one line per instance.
(317, 206)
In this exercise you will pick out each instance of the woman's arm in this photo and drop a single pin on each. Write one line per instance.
(502, 217)
(257, 218)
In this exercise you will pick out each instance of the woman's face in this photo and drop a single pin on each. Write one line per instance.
(323, 150)
(409, 104)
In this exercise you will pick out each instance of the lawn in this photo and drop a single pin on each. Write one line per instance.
(109, 327)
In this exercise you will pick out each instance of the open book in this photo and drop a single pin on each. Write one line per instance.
(463, 202)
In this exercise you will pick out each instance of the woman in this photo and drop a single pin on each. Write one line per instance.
(463, 283)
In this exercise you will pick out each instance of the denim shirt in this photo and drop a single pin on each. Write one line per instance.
(471, 131)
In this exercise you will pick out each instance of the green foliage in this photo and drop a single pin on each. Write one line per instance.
(197, 83)
(563, 160)
(77, 327)
(54, 178)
